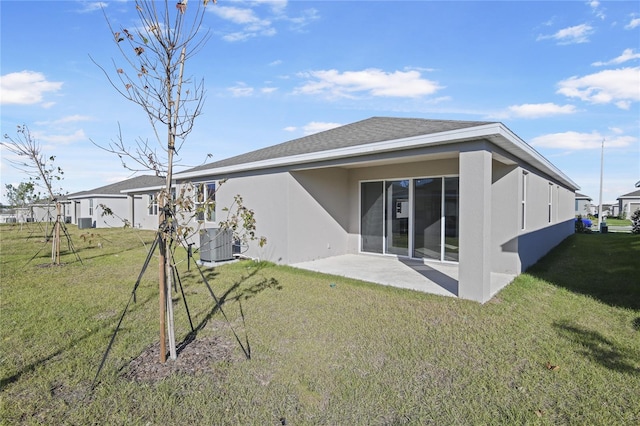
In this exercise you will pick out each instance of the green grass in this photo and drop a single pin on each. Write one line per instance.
(324, 350)
(618, 222)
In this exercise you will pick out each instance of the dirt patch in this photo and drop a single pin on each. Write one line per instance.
(197, 357)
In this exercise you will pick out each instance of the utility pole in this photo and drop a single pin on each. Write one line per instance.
(601, 176)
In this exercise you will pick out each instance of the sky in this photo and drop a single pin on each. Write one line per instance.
(563, 75)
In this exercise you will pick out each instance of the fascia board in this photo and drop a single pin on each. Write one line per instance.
(143, 190)
(84, 196)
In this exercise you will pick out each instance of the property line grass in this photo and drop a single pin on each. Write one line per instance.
(560, 345)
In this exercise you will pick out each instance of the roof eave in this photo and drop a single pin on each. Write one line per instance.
(496, 132)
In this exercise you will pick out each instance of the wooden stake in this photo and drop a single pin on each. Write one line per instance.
(162, 286)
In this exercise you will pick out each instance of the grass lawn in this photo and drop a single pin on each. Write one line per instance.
(560, 345)
(618, 222)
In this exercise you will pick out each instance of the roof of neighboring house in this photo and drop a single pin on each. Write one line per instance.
(582, 196)
(377, 135)
(633, 194)
(117, 189)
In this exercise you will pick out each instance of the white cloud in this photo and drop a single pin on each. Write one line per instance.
(595, 8)
(372, 81)
(540, 110)
(77, 136)
(317, 126)
(25, 88)
(634, 23)
(253, 26)
(619, 86)
(64, 120)
(241, 90)
(290, 128)
(575, 141)
(571, 35)
(267, 90)
(627, 55)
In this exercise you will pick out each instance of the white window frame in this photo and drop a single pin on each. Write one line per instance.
(523, 198)
(205, 201)
(153, 205)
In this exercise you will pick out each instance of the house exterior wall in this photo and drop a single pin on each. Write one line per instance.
(628, 205)
(303, 214)
(583, 207)
(118, 205)
(539, 234)
(505, 218)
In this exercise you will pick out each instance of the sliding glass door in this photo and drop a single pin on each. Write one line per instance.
(411, 217)
(372, 216)
(427, 213)
(397, 215)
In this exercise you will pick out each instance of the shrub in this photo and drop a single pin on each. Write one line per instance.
(635, 222)
(583, 225)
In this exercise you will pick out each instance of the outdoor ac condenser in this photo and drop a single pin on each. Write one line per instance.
(84, 222)
(216, 245)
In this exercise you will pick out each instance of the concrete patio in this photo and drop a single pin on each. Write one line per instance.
(429, 277)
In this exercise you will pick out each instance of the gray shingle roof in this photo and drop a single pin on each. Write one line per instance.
(144, 181)
(371, 130)
(633, 194)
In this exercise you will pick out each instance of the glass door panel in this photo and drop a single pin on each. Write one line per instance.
(451, 216)
(427, 234)
(371, 216)
(397, 217)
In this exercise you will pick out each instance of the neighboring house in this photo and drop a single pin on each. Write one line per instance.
(583, 205)
(130, 200)
(628, 203)
(465, 192)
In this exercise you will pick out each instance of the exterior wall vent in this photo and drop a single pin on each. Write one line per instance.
(216, 245)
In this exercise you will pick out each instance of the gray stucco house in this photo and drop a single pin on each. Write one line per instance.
(583, 205)
(133, 200)
(629, 203)
(464, 192)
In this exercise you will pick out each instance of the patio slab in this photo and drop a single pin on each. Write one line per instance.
(429, 277)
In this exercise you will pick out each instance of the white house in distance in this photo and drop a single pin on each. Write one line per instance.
(629, 203)
(463, 192)
(583, 205)
(132, 200)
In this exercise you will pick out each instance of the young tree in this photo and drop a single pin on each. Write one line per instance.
(156, 52)
(21, 195)
(41, 171)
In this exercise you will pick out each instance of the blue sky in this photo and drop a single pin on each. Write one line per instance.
(562, 75)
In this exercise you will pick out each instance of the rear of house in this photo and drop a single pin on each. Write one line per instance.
(469, 193)
(129, 201)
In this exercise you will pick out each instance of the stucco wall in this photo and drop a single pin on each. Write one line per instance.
(540, 235)
(505, 218)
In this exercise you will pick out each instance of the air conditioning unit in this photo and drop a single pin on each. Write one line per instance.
(216, 245)
(84, 222)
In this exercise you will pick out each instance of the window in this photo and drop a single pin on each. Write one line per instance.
(91, 207)
(550, 202)
(523, 207)
(206, 201)
(153, 204)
